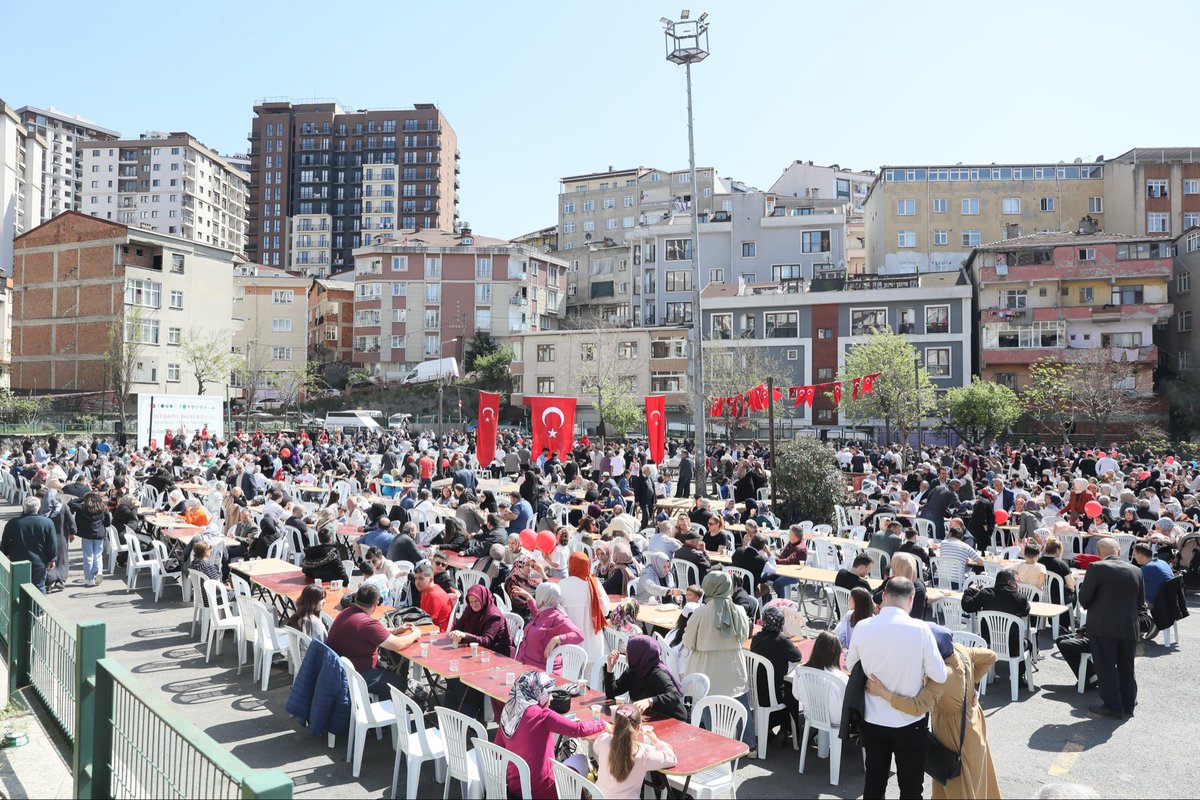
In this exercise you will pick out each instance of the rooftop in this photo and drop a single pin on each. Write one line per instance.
(1159, 154)
(1064, 238)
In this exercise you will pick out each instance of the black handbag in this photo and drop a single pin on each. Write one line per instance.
(941, 763)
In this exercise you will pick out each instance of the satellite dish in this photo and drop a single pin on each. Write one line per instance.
(587, 237)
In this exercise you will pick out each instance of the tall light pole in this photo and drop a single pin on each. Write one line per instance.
(687, 44)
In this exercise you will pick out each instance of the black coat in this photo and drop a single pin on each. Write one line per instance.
(668, 701)
(30, 537)
(1009, 601)
(1113, 593)
(697, 557)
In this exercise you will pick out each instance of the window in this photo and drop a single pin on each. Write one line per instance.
(648, 286)
(1183, 282)
(433, 293)
(748, 249)
(433, 267)
(716, 276)
(281, 325)
(791, 354)
(721, 326)
(369, 291)
(283, 296)
(176, 299)
(906, 238)
(569, 208)
(1191, 219)
(679, 280)
(1121, 339)
(1014, 299)
(1010, 205)
(483, 319)
(1047, 204)
(627, 350)
(824, 333)
(1156, 188)
(483, 293)
(939, 205)
(667, 382)
(941, 237)
(825, 373)
(145, 331)
(587, 351)
(400, 315)
(147, 294)
(1087, 254)
(1191, 186)
(825, 415)
(749, 325)
(782, 325)
(626, 222)
(814, 242)
(483, 268)
(937, 319)
(433, 344)
(609, 202)
(1008, 379)
(628, 201)
(679, 249)
(970, 206)
(433, 319)
(679, 313)
(668, 348)
(970, 238)
(865, 320)
(787, 272)
(174, 336)
(1158, 222)
(545, 353)
(937, 362)
(1128, 295)
(176, 258)
(1183, 321)
(589, 206)
(281, 353)
(545, 385)
(173, 373)
(1095, 205)
(1086, 295)
(568, 227)
(906, 207)
(1185, 360)
(610, 224)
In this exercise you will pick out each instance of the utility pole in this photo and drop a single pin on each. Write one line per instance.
(917, 394)
(771, 435)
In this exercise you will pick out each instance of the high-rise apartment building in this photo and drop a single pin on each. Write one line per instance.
(325, 181)
(22, 152)
(803, 179)
(1153, 191)
(169, 183)
(62, 172)
(929, 218)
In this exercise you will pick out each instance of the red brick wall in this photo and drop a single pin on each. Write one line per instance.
(824, 354)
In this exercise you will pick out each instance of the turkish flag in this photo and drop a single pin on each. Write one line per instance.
(855, 383)
(837, 393)
(868, 382)
(485, 433)
(553, 424)
(656, 425)
(717, 408)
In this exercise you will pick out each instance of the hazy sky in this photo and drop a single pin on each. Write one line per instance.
(538, 90)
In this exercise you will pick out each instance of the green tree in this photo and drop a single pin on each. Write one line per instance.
(620, 409)
(894, 398)
(980, 412)
(127, 340)
(808, 480)
(208, 354)
(480, 346)
(1096, 386)
(494, 370)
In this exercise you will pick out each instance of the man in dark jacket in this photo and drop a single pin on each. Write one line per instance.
(683, 487)
(643, 495)
(492, 532)
(404, 545)
(1113, 592)
(1001, 597)
(693, 553)
(938, 500)
(31, 537)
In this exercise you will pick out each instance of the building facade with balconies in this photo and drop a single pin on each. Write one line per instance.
(331, 324)
(421, 297)
(1057, 295)
(22, 154)
(169, 183)
(270, 309)
(803, 179)
(325, 180)
(1153, 191)
(62, 171)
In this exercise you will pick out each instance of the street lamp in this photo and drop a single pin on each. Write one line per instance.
(687, 44)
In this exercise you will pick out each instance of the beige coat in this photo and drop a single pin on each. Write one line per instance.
(715, 653)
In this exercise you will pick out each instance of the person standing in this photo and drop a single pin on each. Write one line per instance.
(878, 644)
(683, 487)
(1113, 592)
(31, 537)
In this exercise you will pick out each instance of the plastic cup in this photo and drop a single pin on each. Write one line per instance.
(583, 684)
(474, 650)
(485, 656)
(510, 678)
(597, 711)
(424, 649)
(454, 665)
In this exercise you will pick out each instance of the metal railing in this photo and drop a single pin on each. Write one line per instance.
(150, 751)
(11, 575)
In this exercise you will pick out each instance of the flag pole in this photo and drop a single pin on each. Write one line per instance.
(771, 435)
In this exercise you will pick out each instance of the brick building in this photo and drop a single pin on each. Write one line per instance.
(331, 323)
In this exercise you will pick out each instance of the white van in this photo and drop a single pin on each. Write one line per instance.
(399, 421)
(436, 370)
(353, 419)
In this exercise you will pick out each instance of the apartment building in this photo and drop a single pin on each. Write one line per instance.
(325, 180)
(62, 170)
(169, 183)
(76, 278)
(756, 237)
(803, 179)
(634, 361)
(270, 309)
(423, 296)
(1057, 295)
(602, 209)
(6, 296)
(331, 324)
(22, 154)
(1151, 191)
(1179, 340)
(809, 326)
(924, 218)
(544, 239)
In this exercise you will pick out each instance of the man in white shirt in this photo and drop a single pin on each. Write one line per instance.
(900, 652)
(1106, 464)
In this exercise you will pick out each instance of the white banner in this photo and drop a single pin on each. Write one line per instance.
(158, 413)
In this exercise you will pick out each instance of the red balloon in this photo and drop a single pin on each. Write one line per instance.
(285, 453)
(528, 539)
(1170, 459)
(1145, 474)
(1001, 516)
(1093, 508)
(546, 542)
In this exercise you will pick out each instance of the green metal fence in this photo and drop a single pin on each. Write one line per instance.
(10, 575)
(145, 749)
(62, 653)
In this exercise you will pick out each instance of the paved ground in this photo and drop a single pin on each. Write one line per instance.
(1045, 737)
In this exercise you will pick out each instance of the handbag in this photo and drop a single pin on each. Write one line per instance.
(941, 763)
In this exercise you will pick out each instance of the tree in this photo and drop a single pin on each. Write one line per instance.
(207, 353)
(18, 410)
(494, 369)
(808, 480)
(980, 412)
(1096, 385)
(251, 373)
(730, 371)
(126, 344)
(894, 398)
(291, 384)
(481, 345)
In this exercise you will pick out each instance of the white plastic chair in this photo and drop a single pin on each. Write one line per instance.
(461, 763)
(1055, 592)
(415, 744)
(494, 762)
(1081, 676)
(840, 600)
(574, 661)
(240, 584)
(160, 555)
(570, 784)
(947, 611)
(727, 717)
(858, 533)
(221, 619)
(827, 556)
(879, 567)
(466, 578)
(695, 687)
(115, 548)
(817, 686)
(139, 562)
(999, 627)
(686, 573)
(947, 572)
(763, 707)
(741, 575)
(613, 639)
(298, 643)
(926, 530)
(200, 612)
(968, 639)
(516, 627)
(365, 715)
(245, 608)
(279, 549)
(270, 641)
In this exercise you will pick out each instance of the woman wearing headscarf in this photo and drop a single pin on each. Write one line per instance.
(771, 643)
(494, 567)
(585, 603)
(482, 623)
(548, 628)
(528, 728)
(1081, 495)
(715, 635)
(521, 583)
(648, 680)
(624, 617)
(624, 569)
(657, 581)
(1028, 517)
(944, 704)
(602, 563)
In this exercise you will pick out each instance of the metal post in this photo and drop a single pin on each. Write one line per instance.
(917, 393)
(267, 785)
(89, 649)
(18, 642)
(100, 776)
(771, 435)
(698, 399)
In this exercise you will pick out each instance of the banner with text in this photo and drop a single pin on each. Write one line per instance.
(189, 414)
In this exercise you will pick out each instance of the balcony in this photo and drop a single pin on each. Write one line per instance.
(1017, 316)
(518, 300)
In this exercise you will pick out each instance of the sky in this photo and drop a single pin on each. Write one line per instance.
(536, 90)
